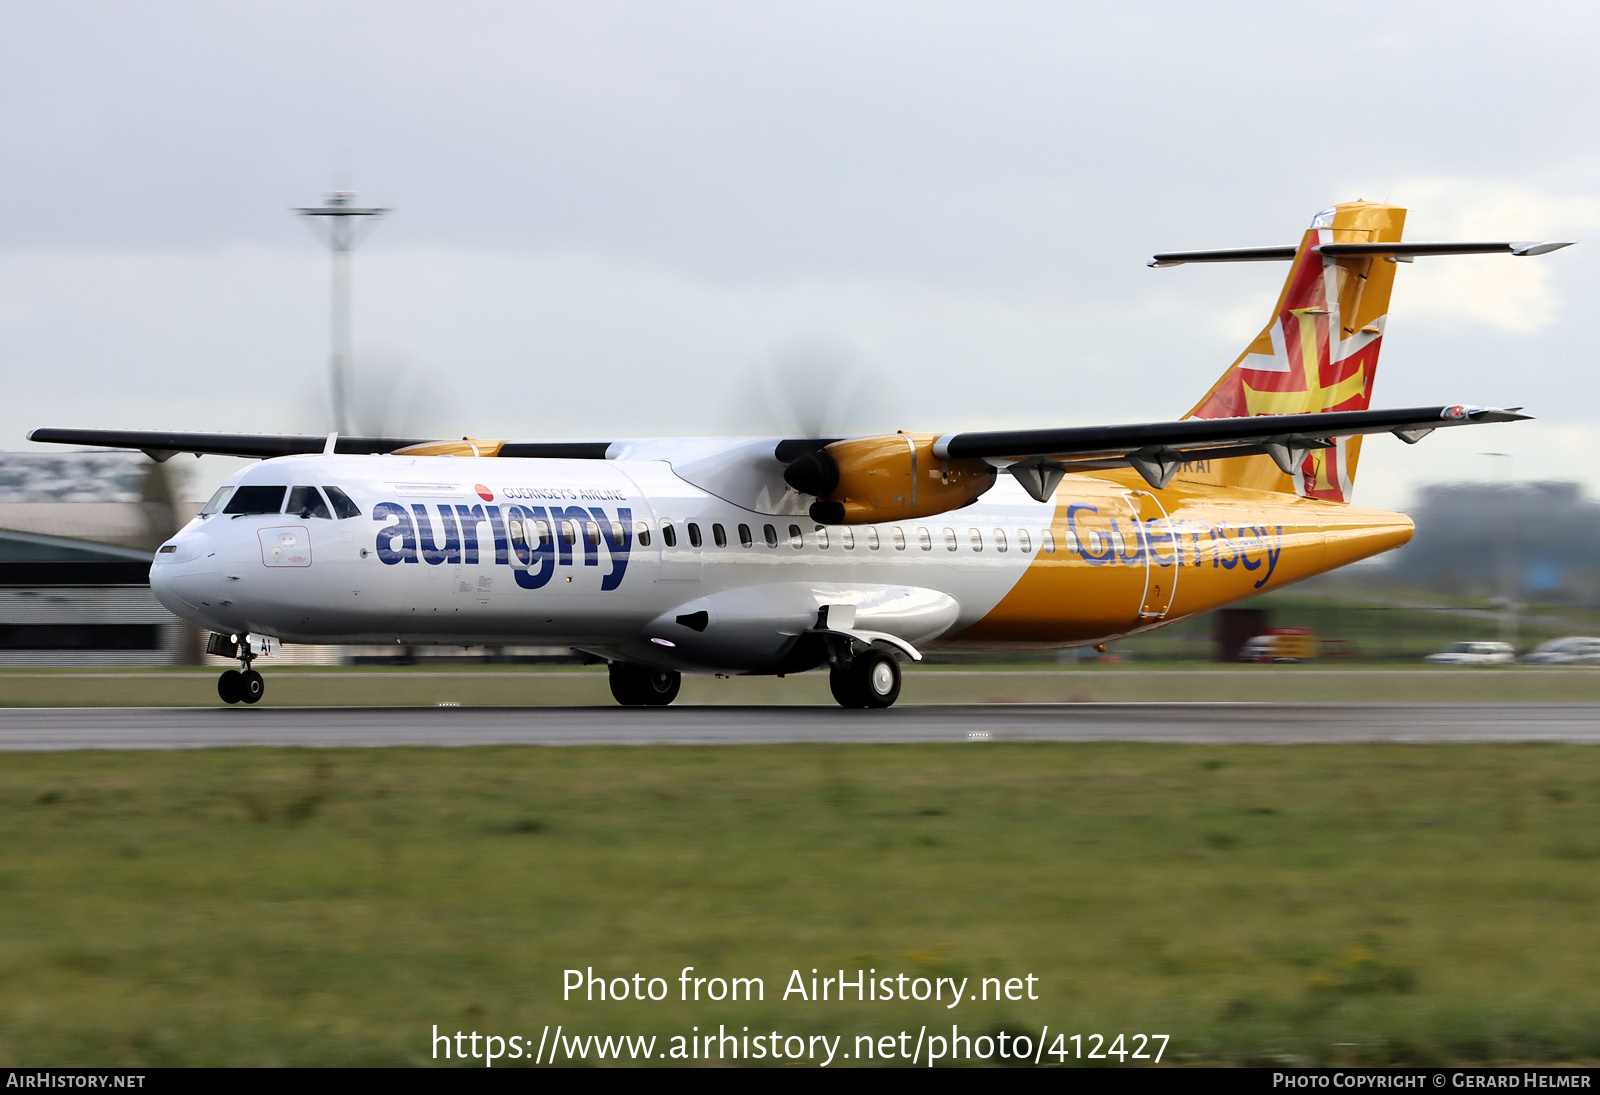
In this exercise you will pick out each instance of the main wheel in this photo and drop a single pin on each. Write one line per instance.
(638, 686)
(230, 687)
(871, 679)
(252, 686)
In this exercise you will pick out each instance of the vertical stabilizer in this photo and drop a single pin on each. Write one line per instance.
(1319, 352)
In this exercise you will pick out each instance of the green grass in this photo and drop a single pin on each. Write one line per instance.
(1313, 904)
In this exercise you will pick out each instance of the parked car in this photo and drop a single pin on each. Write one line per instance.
(1573, 650)
(1479, 653)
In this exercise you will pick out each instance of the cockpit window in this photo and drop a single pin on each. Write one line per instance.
(341, 503)
(256, 500)
(306, 502)
(216, 501)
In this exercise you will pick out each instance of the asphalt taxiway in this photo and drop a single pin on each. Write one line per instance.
(63, 728)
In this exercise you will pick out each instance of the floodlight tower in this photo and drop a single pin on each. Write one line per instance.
(338, 221)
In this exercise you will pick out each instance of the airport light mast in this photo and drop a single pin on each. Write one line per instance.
(338, 221)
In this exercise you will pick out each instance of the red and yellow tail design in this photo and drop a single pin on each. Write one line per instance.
(1319, 353)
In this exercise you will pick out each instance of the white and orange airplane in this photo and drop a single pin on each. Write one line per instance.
(779, 555)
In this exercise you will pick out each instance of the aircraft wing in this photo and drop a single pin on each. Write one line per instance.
(261, 446)
(1158, 449)
(1037, 458)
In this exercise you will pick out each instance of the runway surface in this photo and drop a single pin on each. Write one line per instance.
(44, 729)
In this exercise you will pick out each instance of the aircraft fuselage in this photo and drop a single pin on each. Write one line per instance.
(627, 560)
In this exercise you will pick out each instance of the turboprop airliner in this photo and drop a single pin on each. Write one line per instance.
(777, 555)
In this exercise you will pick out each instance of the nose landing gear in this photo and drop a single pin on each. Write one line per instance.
(235, 686)
(242, 685)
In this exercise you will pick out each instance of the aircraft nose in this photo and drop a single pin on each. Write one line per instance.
(182, 574)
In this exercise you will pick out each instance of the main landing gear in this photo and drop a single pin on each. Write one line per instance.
(869, 679)
(637, 686)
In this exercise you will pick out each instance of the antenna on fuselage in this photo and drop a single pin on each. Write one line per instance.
(337, 220)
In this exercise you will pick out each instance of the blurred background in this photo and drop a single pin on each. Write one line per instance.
(617, 219)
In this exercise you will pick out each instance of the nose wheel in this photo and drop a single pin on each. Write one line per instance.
(241, 687)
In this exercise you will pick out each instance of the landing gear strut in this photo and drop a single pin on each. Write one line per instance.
(869, 679)
(242, 685)
(638, 686)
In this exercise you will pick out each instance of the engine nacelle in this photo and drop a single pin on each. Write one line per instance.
(888, 478)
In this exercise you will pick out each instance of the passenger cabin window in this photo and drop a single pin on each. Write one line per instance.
(925, 538)
(719, 536)
(847, 538)
(822, 538)
(771, 535)
(256, 500)
(950, 541)
(745, 539)
(1047, 542)
(694, 534)
(795, 539)
(307, 502)
(519, 538)
(872, 539)
(999, 539)
(216, 501)
(1117, 540)
(342, 506)
(641, 533)
(541, 529)
(569, 533)
(1024, 544)
(591, 531)
(977, 539)
(669, 535)
(899, 536)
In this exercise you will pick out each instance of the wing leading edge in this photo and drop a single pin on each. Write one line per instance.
(262, 446)
(1037, 458)
(1157, 450)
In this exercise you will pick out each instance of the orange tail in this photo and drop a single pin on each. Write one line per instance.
(1318, 353)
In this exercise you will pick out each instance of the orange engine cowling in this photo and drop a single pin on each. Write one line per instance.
(887, 478)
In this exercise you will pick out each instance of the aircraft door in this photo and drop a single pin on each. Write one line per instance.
(1160, 549)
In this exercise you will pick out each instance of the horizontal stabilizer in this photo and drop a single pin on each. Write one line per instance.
(1400, 251)
(1227, 254)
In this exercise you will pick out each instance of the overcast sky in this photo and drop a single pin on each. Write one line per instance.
(622, 219)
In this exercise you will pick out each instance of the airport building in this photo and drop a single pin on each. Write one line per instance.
(76, 535)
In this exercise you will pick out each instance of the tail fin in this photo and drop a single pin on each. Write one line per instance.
(1318, 353)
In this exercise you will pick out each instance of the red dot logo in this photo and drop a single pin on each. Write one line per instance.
(485, 493)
